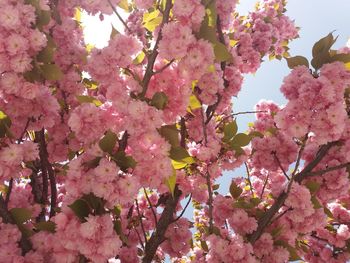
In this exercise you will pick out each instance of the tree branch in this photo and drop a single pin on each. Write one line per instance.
(329, 169)
(119, 16)
(8, 219)
(183, 210)
(163, 223)
(279, 202)
(152, 58)
(151, 207)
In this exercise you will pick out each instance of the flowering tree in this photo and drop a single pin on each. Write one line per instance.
(102, 150)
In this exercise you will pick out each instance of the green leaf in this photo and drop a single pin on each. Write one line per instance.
(328, 212)
(238, 149)
(235, 191)
(51, 72)
(211, 13)
(255, 134)
(180, 157)
(95, 203)
(204, 246)
(255, 201)
(117, 210)
(297, 61)
(46, 55)
(48, 226)
(108, 142)
(123, 161)
(178, 165)
(88, 99)
(159, 100)
(313, 186)
(293, 255)
(315, 202)
(230, 130)
(276, 231)
(33, 76)
(124, 5)
(5, 124)
(194, 102)
(114, 32)
(241, 139)
(171, 183)
(221, 52)
(323, 45)
(90, 84)
(345, 58)
(43, 18)
(171, 134)
(140, 57)
(207, 32)
(152, 20)
(180, 154)
(118, 227)
(21, 215)
(244, 205)
(80, 208)
(321, 51)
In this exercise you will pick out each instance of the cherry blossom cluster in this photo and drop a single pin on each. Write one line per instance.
(103, 150)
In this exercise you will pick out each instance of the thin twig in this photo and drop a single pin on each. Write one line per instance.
(330, 169)
(152, 58)
(183, 210)
(140, 239)
(238, 113)
(264, 186)
(166, 218)
(267, 217)
(20, 139)
(140, 217)
(119, 16)
(249, 181)
(151, 207)
(204, 127)
(280, 215)
(280, 165)
(210, 203)
(163, 68)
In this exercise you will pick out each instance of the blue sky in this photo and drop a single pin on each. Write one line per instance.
(316, 19)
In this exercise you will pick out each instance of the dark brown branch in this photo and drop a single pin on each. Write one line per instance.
(279, 202)
(183, 133)
(210, 203)
(211, 109)
(40, 136)
(264, 186)
(152, 58)
(47, 173)
(164, 67)
(329, 169)
(319, 156)
(8, 219)
(280, 165)
(141, 223)
(151, 207)
(20, 139)
(163, 223)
